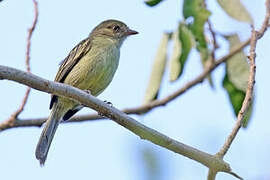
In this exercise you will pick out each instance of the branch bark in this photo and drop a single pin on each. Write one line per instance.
(211, 161)
(136, 110)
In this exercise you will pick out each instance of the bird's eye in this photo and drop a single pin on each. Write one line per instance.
(116, 28)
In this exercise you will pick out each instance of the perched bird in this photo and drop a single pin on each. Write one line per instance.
(89, 66)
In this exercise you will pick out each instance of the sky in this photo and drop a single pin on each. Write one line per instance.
(202, 117)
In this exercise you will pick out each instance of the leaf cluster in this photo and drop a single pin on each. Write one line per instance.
(192, 33)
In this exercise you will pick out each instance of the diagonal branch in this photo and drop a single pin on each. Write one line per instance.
(136, 110)
(144, 132)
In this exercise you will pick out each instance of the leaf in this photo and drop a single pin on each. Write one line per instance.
(236, 78)
(236, 10)
(175, 65)
(152, 2)
(196, 9)
(236, 98)
(237, 66)
(183, 42)
(248, 114)
(157, 70)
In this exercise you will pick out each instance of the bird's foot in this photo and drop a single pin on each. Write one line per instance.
(108, 103)
(87, 91)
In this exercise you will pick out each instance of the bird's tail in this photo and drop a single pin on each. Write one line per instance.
(47, 134)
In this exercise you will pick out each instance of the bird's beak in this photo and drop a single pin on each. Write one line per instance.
(131, 32)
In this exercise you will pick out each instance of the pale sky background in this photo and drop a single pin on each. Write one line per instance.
(202, 117)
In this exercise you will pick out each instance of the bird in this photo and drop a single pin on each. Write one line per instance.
(89, 66)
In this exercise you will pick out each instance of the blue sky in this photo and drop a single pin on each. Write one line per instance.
(201, 117)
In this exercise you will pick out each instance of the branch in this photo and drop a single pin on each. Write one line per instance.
(13, 117)
(255, 36)
(211, 175)
(30, 32)
(144, 132)
(136, 110)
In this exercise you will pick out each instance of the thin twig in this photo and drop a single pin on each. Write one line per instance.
(213, 34)
(251, 81)
(136, 110)
(30, 32)
(212, 174)
(14, 115)
(215, 45)
(235, 175)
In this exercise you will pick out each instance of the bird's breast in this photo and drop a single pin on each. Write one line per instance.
(106, 67)
(96, 69)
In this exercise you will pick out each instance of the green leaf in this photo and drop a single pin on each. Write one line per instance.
(249, 113)
(157, 70)
(196, 9)
(236, 78)
(236, 10)
(183, 42)
(175, 65)
(236, 98)
(152, 2)
(237, 66)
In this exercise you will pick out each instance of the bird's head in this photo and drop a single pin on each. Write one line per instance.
(112, 29)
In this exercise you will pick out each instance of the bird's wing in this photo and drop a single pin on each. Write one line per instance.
(70, 61)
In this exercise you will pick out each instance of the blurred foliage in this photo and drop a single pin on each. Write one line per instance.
(175, 64)
(236, 10)
(183, 42)
(152, 2)
(152, 164)
(195, 9)
(236, 77)
(237, 66)
(194, 34)
(157, 70)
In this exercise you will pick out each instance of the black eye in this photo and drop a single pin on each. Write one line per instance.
(116, 28)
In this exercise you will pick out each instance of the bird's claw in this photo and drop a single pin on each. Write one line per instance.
(87, 91)
(108, 103)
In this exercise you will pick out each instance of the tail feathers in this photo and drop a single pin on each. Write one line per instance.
(47, 135)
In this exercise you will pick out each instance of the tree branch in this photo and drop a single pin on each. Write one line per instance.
(136, 110)
(255, 36)
(211, 175)
(144, 132)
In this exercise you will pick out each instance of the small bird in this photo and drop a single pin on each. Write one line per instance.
(90, 66)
